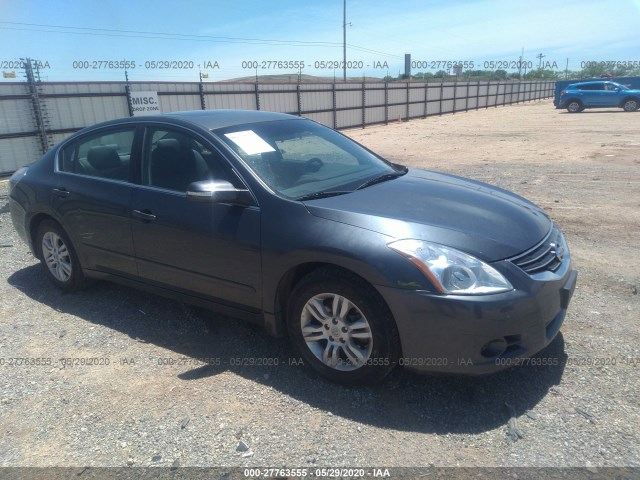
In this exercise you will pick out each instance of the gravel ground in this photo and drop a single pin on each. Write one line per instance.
(136, 408)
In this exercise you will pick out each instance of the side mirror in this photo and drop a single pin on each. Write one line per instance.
(218, 191)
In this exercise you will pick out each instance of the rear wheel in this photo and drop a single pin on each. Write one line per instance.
(59, 257)
(342, 328)
(630, 105)
(574, 106)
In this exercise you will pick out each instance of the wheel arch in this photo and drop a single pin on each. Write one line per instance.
(34, 223)
(295, 274)
(629, 97)
(573, 99)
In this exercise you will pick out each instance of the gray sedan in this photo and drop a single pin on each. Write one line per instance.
(275, 219)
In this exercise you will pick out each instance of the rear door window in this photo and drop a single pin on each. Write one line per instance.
(105, 154)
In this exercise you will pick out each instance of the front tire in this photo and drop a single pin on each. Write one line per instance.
(342, 328)
(574, 106)
(630, 105)
(58, 257)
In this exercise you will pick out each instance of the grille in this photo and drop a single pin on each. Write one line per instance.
(546, 256)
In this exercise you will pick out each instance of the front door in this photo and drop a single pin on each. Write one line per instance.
(205, 249)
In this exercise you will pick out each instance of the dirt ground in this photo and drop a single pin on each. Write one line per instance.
(151, 401)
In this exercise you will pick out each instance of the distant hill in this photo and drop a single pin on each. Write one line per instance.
(293, 78)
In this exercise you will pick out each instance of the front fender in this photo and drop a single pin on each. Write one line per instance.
(323, 241)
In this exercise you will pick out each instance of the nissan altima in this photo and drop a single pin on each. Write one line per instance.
(363, 263)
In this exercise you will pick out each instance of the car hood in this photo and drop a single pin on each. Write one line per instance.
(485, 221)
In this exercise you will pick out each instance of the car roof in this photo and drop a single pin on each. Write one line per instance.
(591, 82)
(213, 119)
(205, 119)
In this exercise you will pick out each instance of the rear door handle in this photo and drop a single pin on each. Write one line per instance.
(145, 215)
(61, 192)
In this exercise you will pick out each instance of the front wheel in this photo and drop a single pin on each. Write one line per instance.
(342, 328)
(58, 257)
(630, 105)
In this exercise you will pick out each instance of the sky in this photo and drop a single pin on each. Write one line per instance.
(76, 39)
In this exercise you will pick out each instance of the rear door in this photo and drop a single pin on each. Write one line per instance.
(92, 191)
(205, 249)
(586, 94)
(597, 96)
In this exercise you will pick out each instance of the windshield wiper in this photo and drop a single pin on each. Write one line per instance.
(324, 194)
(382, 178)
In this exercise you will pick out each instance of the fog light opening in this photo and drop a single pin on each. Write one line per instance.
(494, 348)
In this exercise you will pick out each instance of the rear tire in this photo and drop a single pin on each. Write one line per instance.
(574, 106)
(58, 257)
(630, 105)
(342, 328)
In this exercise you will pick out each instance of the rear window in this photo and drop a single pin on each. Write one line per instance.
(105, 154)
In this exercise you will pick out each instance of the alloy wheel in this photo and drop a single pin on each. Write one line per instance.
(336, 332)
(56, 256)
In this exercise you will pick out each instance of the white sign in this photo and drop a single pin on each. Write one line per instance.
(145, 103)
(250, 142)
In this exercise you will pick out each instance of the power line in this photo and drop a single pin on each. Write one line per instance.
(368, 50)
(108, 32)
(137, 33)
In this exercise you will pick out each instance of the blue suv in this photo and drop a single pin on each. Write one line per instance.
(598, 94)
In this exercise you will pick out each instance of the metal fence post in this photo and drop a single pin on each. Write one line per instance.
(478, 95)
(486, 102)
(455, 97)
(335, 112)
(127, 90)
(38, 109)
(203, 106)
(257, 90)
(426, 96)
(466, 99)
(407, 102)
(441, 95)
(364, 99)
(386, 103)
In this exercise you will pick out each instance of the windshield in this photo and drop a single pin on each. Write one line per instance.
(300, 158)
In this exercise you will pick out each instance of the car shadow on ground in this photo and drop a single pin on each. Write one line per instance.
(598, 110)
(404, 401)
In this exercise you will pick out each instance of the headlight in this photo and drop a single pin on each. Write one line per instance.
(452, 271)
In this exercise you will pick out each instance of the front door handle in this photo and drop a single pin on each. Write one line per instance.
(61, 192)
(144, 215)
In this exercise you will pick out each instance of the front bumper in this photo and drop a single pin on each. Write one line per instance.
(481, 334)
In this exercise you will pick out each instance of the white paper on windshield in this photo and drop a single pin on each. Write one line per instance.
(250, 142)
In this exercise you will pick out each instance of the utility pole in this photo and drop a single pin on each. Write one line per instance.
(344, 40)
(540, 57)
(520, 64)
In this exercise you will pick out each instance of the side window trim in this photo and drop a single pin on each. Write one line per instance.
(145, 142)
(107, 130)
